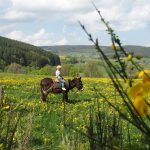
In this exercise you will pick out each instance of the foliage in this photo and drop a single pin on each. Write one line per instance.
(15, 68)
(58, 125)
(111, 113)
(71, 60)
(12, 51)
(88, 51)
(132, 95)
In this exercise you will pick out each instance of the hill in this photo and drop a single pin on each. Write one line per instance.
(12, 51)
(90, 51)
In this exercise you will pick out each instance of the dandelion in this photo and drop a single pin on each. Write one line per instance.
(7, 107)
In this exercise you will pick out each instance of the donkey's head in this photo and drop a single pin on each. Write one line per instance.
(78, 83)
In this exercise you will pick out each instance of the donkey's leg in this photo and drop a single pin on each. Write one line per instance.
(65, 96)
(43, 96)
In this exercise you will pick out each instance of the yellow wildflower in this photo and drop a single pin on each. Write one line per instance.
(128, 83)
(145, 75)
(134, 90)
(140, 87)
(113, 46)
(129, 58)
(7, 107)
(140, 106)
(146, 88)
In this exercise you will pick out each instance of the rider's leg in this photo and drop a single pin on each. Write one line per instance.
(63, 85)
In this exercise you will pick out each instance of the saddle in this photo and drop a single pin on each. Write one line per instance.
(57, 84)
(56, 80)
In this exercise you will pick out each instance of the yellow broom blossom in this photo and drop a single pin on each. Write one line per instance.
(113, 46)
(129, 58)
(145, 75)
(140, 87)
(140, 106)
(135, 89)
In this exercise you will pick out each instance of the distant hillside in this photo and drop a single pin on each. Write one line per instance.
(89, 51)
(24, 54)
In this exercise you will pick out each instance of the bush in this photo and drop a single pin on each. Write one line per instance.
(15, 68)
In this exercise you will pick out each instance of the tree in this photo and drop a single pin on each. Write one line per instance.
(15, 68)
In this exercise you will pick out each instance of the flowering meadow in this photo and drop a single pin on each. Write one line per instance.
(86, 121)
(109, 114)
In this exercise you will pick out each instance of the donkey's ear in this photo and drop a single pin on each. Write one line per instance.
(77, 75)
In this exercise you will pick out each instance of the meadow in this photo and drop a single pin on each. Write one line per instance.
(109, 114)
(87, 121)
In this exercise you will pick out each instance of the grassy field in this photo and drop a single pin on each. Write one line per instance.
(28, 123)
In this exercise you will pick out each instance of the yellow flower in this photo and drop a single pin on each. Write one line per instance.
(146, 88)
(140, 106)
(135, 90)
(113, 46)
(142, 88)
(129, 58)
(145, 75)
(128, 83)
(6, 107)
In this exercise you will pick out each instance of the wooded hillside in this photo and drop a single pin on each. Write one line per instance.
(12, 51)
(90, 51)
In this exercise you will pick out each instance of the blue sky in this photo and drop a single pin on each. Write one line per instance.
(49, 22)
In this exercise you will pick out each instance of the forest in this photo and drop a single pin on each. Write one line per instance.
(12, 51)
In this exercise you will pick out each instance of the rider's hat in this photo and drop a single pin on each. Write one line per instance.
(59, 67)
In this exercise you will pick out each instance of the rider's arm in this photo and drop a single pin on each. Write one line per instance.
(58, 74)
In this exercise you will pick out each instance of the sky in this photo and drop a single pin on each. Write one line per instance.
(55, 22)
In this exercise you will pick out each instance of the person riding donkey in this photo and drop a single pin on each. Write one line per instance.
(60, 78)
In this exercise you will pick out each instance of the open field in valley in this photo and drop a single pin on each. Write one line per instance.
(28, 123)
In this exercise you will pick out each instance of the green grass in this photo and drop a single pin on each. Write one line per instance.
(41, 125)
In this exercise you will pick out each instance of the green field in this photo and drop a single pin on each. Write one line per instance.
(87, 121)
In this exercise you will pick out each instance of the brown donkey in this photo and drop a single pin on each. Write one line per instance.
(50, 86)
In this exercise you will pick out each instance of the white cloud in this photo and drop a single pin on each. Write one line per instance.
(18, 16)
(44, 9)
(40, 38)
(148, 44)
(124, 15)
(17, 35)
(49, 5)
(62, 41)
(4, 28)
(4, 3)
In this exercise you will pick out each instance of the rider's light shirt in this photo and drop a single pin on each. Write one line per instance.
(58, 74)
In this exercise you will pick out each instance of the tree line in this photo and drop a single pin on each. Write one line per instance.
(12, 51)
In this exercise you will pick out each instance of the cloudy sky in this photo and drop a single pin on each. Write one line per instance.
(55, 22)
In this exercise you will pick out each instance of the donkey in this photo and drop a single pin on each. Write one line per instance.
(50, 86)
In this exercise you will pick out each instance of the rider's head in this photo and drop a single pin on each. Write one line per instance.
(59, 67)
